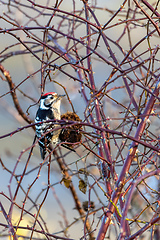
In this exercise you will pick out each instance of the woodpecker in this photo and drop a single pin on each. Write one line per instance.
(49, 109)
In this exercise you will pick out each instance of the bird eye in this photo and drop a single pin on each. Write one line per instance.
(51, 97)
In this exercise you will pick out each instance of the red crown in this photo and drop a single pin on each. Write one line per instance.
(52, 93)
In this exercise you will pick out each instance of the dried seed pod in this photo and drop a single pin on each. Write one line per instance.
(71, 134)
(85, 205)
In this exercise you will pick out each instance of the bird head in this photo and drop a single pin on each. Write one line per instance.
(50, 100)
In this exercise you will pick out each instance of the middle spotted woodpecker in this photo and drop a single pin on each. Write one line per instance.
(49, 109)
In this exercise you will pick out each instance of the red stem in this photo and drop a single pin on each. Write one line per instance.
(121, 180)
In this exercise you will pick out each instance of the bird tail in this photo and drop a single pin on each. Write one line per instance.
(43, 152)
(42, 149)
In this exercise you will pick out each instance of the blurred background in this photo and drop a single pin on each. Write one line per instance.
(24, 53)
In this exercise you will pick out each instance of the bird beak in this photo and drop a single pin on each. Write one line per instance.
(60, 96)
